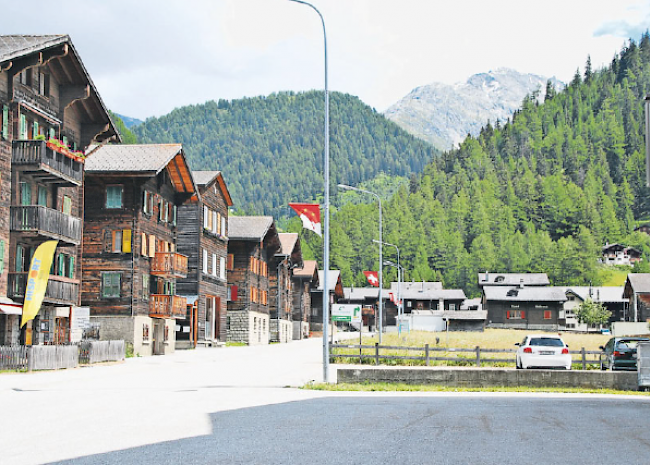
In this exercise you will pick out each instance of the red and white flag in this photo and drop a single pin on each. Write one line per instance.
(309, 214)
(372, 278)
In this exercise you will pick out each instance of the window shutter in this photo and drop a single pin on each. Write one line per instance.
(67, 205)
(205, 261)
(523, 315)
(174, 215)
(106, 283)
(145, 202)
(205, 217)
(222, 267)
(233, 293)
(126, 241)
(23, 127)
(5, 122)
(218, 223)
(143, 244)
(231, 261)
(35, 131)
(52, 133)
(2, 255)
(152, 245)
(223, 226)
(214, 264)
(71, 267)
(507, 314)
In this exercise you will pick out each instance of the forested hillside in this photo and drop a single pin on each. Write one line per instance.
(270, 149)
(541, 192)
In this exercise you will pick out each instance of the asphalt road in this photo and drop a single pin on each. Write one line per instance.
(231, 406)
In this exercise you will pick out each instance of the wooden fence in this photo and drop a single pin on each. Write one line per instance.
(55, 357)
(476, 356)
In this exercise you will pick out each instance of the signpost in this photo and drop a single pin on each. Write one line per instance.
(350, 314)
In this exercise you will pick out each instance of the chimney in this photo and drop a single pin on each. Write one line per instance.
(487, 276)
(521, 283)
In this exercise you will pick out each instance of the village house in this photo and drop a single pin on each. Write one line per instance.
(522, 307)
(130, 260)
(335, 292)
(611, 297)
(50, 110)
(618, 254)
(202, 235)
(367, 298)
(305, 280)
(253, 242)
(285, 261)
(637, 294)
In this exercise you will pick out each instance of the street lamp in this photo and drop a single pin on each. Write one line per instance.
(381, 260)
(326, 208)
(399, 285)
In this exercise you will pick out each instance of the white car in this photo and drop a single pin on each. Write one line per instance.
(543, 351)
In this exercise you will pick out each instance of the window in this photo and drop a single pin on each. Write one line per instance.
(44, 84)
(548, 314)
(42, 196)
(67, 205)
(113, 196)
(452, 307)
(5, 122)
(205, 261)
(147, 203)
(25, 193)
(214, 264)
(111, 284)
(515, 315)
(174, 215)
(222, 267)
(22, 133)
(145, 333)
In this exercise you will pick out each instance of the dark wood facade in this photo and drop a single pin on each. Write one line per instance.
(203, 237)
(45, 93)
(305, 280)
(131, 262)
(250, 262)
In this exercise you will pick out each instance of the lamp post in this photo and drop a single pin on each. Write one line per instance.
(381, 260)
(326, 208)
(399, 284)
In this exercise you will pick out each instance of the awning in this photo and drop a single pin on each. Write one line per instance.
(10, 309)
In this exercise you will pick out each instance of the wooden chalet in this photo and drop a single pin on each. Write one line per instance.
(637, 293)
(522, 307)
(131, 262)
(335, 291)
(284, 262)
(253, 242)
(618, 254)
(305, 280)
(50, 109)
(202, 235)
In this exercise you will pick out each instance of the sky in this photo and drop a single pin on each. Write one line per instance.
(148, 57)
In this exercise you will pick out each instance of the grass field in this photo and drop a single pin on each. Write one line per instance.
(488, 339)
(613, 275)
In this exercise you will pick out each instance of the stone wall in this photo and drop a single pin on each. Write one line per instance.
(487, 377)
(286, 331)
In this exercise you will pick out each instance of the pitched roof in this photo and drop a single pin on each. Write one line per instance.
(249, 228)
(598, 294)
(204, 178)
(142, 160)
(525, 294)
(287, 243)
(418, 286)
(360, 293)
(513, 279)
(309, 268)
(15, 46)
(332, 279)
(431, 294)
(640, 282)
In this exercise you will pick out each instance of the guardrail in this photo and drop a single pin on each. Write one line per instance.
(428, 354)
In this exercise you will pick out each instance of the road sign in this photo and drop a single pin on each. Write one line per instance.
(349, 313)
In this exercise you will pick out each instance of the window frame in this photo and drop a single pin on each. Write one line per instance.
(116, 287)
(115, 188)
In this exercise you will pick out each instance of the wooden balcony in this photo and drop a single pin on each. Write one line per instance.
(169, 265)
(45, 165)
(167, 306)
(46, 222)
(60, 290)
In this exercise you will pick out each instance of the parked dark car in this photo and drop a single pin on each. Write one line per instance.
(620, 353)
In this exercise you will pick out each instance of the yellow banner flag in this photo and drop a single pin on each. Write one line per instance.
(39, 274)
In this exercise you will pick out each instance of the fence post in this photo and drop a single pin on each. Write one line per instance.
(426, 354)
(584, 359)
(30, 359)
(376, 353)
(478, 356)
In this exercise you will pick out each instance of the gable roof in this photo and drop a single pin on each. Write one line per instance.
(287, 243)
(360, 293)
(333, 282)
(513, 279)
(431, 294)
(309, 270)
(417, 286)
(525, 294)
(249, 228)
(142, 160)
(204, 179)
(15, 49)
(638, 282)
(597, 294)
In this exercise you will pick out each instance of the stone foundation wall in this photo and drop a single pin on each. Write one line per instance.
(300, 330)
(248, 327)
(286, 331)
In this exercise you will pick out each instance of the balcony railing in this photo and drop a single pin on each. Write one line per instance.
(60, 290)
(169, 265)
(46, 222)
(55, 166)
(167, 306)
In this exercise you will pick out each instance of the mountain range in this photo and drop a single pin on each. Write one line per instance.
(445, 114)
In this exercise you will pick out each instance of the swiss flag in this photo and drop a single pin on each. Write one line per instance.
(309, 214)
(372, 278)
